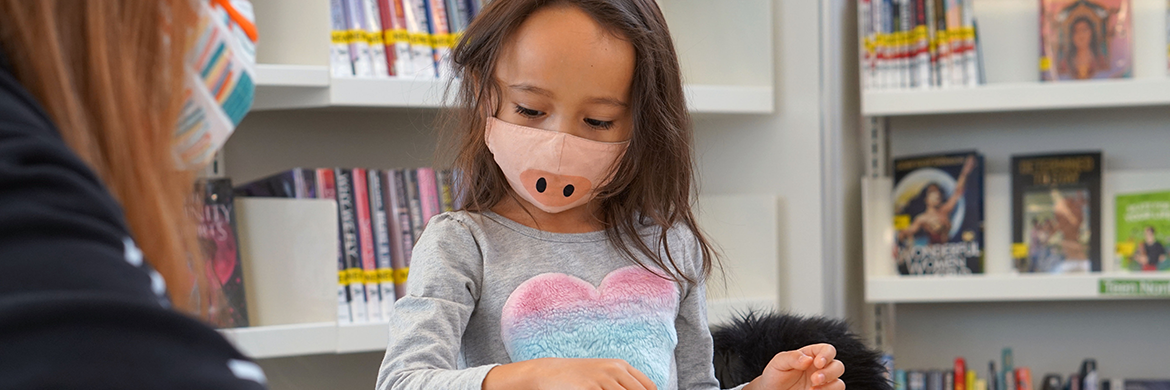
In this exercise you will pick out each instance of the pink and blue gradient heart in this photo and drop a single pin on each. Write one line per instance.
(629, 317)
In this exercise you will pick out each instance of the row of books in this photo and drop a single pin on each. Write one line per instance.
(397, 38)
(918, 44)
(1056, 216)
(380, 214)
(1009, 377)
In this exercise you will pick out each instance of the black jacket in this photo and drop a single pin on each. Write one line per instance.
(79, 308)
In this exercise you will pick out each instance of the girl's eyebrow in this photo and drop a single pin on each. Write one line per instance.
(524, 87)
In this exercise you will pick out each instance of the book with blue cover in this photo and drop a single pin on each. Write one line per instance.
(938, 214)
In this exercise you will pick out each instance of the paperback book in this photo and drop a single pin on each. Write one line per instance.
(938, 214)
(1056, 212)
(1085, 39)
(1143, 231)
(217, 240)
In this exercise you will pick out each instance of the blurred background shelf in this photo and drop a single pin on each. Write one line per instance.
(1012, 287)
(1027, 96)
(282, 87)
(262, 342)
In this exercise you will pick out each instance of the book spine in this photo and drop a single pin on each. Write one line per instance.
(327, 189)
(900, 380)
(385, 272)
(960, 374)
(421, 53)
(310, 180)
(970, 55)
(395, 36)
(373, 36)
(457, 18)
(921, 46)
(954, 32)
(386, 16)
(415, 203)
(440, 36)
(361, 192)
(428, 192)
(446, 193)
(340, 62)
(401, 233)
(864, 33)
(346, 205)
(942, 44)
(217, 229)
(359, 48)
(280, 185)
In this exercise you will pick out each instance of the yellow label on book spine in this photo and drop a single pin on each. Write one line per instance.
(374, 38)
(901, 222)
(398, 36)
(400, 275)
(441, 41)
(1045, 63)
(355, 36)
(342, 277)
(385, 275)
(355, 275)
(338, 37)
(1019, 250)
(420, 39)
(371, 276)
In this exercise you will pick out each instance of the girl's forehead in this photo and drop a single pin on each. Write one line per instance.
(564, 50)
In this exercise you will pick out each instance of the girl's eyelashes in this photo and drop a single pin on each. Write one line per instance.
(527, 112)
(599, 124)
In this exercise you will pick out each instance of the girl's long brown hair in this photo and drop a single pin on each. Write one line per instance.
(653, 182)
(109, 73)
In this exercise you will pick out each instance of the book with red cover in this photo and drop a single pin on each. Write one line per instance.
(369, 262)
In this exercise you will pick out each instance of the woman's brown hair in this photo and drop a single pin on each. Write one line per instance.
(109, 73)
(653, 182)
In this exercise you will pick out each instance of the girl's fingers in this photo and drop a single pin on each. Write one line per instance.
(835, 385)
(829, 374)
(791, 360)
(641, 380)
(823, 354)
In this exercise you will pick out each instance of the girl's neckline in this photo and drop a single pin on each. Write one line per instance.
(517, 227)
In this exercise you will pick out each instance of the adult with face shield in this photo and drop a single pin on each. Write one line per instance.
(107, 107)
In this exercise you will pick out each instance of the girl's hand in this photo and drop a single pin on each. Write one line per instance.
(569, 374)
(810, 368)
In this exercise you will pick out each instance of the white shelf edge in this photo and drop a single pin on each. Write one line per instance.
(303, 86)
(310, 76)
(1019, 97)
(262, 342)
(999, 287)
(368, 337)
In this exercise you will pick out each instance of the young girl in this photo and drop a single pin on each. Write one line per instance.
(576, 262)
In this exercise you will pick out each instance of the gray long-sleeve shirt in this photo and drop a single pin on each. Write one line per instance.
(484, 290)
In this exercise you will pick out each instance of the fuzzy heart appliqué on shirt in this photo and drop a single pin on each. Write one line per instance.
(629, 317)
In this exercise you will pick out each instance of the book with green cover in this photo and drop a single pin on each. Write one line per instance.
(1143, 231)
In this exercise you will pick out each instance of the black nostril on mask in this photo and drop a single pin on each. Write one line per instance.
(568, 190)
(541, 185)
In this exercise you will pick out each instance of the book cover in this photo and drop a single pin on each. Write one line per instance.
(385, 271)
(359, 47)
(422, 54)
(446, 192)
(373, 36)
(938, 214)
(361, 192)
(401, 232)
(414, 202)
(1056, 212)
(287, 184)
(327, 189)
(340, 63)
(1085, 39)
(1143, 231)
(396, 37)
(346, 209)
(219, 243)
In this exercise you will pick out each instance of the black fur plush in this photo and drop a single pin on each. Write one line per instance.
(744, 347)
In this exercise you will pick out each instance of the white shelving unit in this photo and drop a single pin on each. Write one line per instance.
(1008, 97)
(282, 87)
(263, 342)
(1052, 321)
(1016, 287)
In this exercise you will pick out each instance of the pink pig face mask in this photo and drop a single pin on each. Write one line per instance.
(554, 171)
